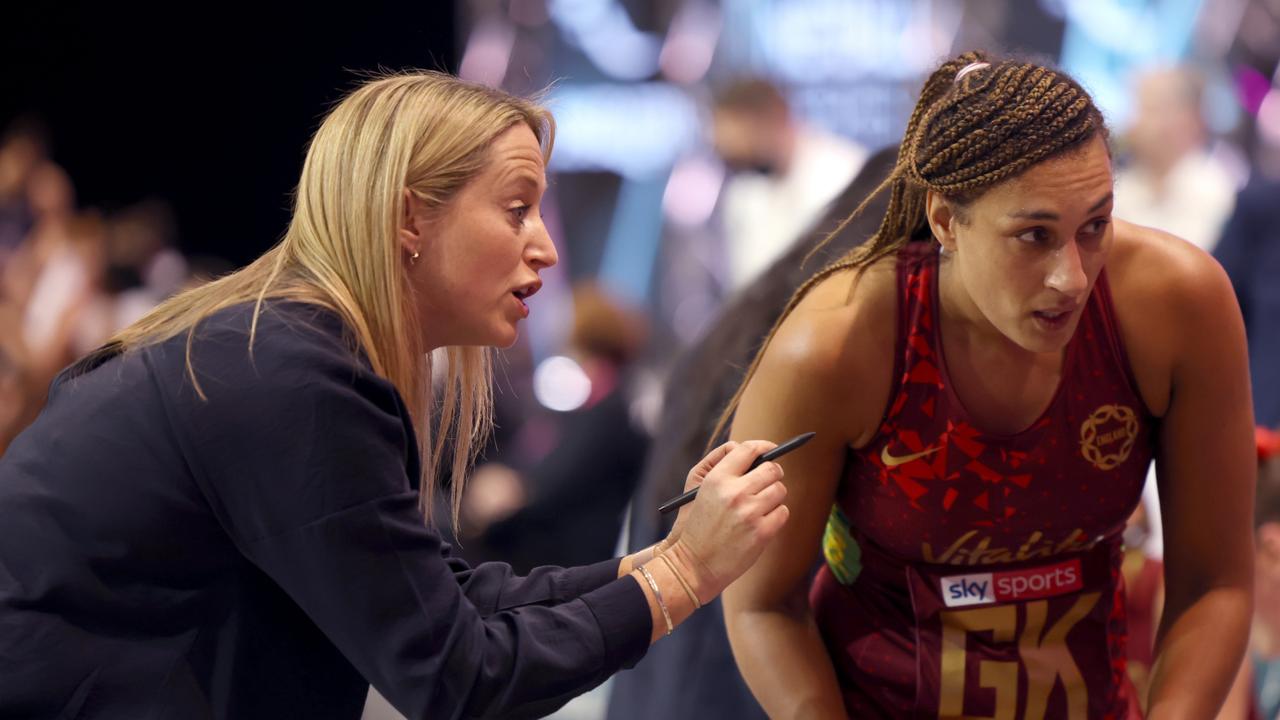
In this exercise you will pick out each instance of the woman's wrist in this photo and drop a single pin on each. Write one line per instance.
(684, 584)
(667, 599)
(638, 558)
(692, 573)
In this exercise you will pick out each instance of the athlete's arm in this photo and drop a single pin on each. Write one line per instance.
(1239, 700)
(807, 380)
(1206, 472)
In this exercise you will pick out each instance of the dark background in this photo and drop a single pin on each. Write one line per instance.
(207, 109)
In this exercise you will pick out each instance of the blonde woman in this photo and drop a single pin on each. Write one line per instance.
(215, 514)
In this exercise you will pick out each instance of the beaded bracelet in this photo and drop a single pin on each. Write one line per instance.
(657, 594)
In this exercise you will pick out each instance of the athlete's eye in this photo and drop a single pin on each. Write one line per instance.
(1096, 227)
(1034, 236)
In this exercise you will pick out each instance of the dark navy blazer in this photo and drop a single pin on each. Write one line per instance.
(261, 553)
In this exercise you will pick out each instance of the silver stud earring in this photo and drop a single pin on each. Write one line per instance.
(413, 258)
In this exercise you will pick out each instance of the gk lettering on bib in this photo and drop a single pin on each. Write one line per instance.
(1032, 642)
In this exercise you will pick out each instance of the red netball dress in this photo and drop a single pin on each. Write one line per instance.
(976, 575)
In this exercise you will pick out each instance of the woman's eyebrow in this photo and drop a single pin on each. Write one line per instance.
(1050, 215)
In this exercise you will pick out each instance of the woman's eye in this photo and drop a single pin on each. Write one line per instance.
(520, 213)
(1034, 236)
(1095, 228)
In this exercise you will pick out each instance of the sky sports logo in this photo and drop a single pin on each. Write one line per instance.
(1013, 586)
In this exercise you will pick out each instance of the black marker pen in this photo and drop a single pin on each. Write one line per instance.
(786, 447)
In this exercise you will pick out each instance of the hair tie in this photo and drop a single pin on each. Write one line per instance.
(970, 68)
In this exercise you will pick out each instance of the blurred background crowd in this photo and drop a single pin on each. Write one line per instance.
(699, 142)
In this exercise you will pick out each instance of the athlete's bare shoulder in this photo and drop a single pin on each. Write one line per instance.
(836, 347)
(1147, 260)
(1164, 288)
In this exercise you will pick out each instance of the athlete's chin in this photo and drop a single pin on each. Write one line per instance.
(1038, 337)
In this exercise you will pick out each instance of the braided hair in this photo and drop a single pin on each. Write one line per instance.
(978, 122)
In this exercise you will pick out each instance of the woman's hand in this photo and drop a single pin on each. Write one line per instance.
(695, 478)
(719, 535)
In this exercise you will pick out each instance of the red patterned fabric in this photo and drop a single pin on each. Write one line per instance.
(976, 575)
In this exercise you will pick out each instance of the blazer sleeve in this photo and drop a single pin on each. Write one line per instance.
(305, 455)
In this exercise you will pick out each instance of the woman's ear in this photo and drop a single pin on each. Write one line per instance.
(942, 218)
(411, 231)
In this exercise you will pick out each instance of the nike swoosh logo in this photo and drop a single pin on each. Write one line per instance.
(892, 461)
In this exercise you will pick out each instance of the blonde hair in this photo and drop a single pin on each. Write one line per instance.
(425, 131)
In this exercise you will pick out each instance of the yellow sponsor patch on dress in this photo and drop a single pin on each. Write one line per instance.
(840, 549)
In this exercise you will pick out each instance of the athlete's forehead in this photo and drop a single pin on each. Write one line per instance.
(1070, 186)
